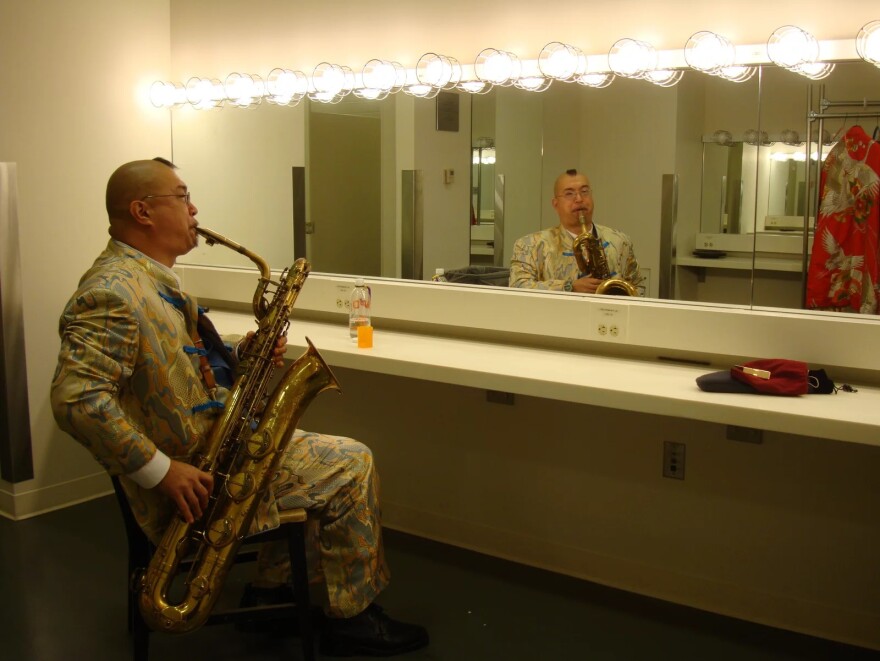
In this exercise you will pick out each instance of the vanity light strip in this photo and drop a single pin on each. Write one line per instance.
(329, 83)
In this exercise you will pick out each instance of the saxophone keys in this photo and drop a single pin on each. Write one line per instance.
(258, 445)
(240, 486)
(200, 586)
(219, 533)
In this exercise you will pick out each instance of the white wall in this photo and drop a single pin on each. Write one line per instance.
(225, 158)
(216, 37)
(73, 108)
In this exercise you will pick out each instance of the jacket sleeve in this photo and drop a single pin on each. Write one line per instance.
(525, 271)
(99, 346)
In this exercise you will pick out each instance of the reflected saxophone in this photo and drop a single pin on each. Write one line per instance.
(243, 451)
(591, 261)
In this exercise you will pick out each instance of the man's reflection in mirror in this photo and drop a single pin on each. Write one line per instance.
(546, 259)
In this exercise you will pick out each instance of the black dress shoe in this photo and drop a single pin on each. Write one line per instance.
(370, 633)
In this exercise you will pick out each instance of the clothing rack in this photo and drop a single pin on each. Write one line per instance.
(860, 111)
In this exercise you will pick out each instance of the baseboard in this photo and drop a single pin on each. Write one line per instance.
(777, 610)
(18, 505)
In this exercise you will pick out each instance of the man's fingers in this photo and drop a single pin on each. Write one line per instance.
(184, 510)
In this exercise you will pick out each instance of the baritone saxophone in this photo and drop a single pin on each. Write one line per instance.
(591, 261)
(242, 452)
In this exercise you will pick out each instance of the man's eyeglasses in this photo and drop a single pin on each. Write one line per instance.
(186, 196)
(586, 191)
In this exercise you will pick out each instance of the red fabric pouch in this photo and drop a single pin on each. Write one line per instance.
(774, 376)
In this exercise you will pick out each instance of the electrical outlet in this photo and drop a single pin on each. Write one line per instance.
(673, 460)
(343, 298)
(610, 322)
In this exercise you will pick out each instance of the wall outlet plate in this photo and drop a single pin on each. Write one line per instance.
(673, 460)
(343, 297)
(609, 322)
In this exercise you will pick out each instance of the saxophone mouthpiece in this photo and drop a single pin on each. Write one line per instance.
(581, 219)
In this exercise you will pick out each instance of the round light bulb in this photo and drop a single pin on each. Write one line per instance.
(383, 75)
(790, 46)
(561, 61)
(708, 52)
(868, 42)
(631, 58)
(438, 70)
(497, 67)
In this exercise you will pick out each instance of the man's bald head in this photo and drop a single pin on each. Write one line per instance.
(133, 181)
(565, 178)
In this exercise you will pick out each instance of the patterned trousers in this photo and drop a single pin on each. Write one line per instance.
(334, 478)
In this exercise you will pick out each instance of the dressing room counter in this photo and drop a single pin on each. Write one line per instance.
(646, 386)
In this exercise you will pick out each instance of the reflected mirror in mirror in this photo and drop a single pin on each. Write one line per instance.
(626, 137)
(789, 167)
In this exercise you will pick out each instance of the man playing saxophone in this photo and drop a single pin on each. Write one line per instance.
(546, 260)
(131, 385)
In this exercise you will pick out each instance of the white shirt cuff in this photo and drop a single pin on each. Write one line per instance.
(151, 473)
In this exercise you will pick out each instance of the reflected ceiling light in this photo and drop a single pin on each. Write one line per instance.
(422, 91)
(791, 137)
(497, 66)
(723, 138)
(370, 93)
(737, 73)
(596, 79)
(167, 95)
(868, 43)
(484, 156)
(326, 97)
(244, 90)
(440, 71)
(561, 61)
(383, 75)
(790, 46)
(632, 58)
(205, 93)
(708, 52)
(533, 83)
(815, 70)
(664, 77)
(475, 86)
(755, 137)
(332, 79)
(285, 87)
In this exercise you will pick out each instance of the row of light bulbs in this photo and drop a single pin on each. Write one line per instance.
(790, 47)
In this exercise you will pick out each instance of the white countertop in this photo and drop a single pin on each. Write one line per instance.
(657, 387)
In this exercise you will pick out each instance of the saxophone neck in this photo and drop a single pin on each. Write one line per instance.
(259, 304)
(212, 237)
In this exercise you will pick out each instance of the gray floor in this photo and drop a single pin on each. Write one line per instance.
(63, 597)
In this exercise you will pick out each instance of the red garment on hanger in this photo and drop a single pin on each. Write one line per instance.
(843, 272)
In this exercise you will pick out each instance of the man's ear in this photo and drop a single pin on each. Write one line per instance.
(140, 212)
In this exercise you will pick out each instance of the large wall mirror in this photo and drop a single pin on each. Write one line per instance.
(738, 154)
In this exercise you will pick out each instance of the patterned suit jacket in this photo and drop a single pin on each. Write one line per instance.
(545, 259)
(127, 380)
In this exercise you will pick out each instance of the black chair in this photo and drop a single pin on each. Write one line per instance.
(292, 530)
